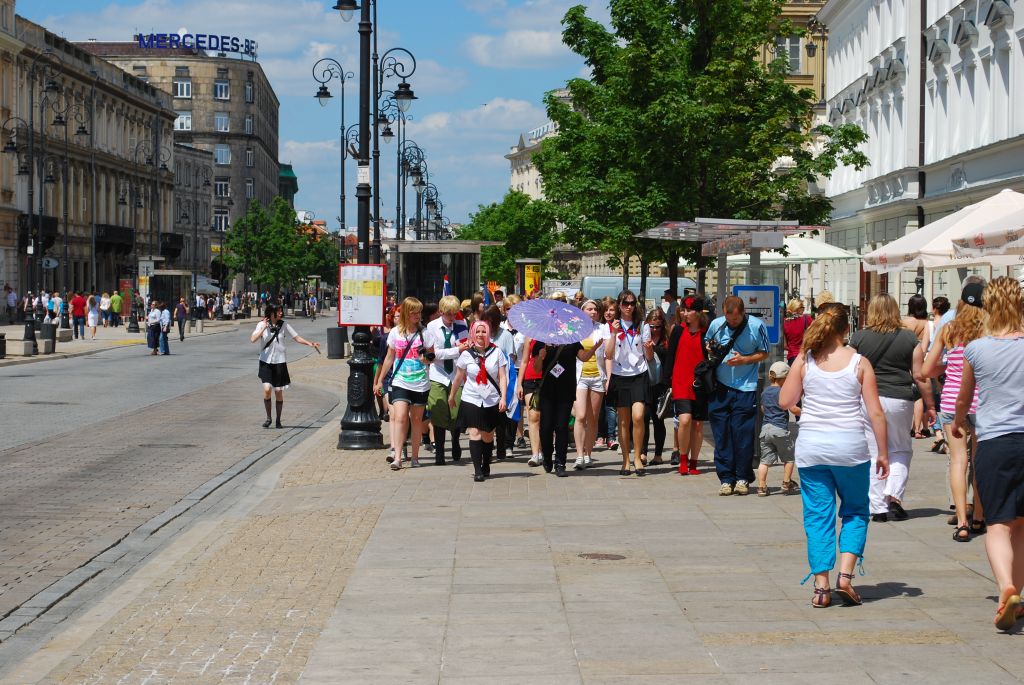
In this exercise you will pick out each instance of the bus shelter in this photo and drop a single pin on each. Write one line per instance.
(417, 268)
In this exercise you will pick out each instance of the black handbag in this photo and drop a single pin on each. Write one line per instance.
(704, 379)
(663, 409)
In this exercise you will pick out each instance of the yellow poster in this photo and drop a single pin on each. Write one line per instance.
(532, 280)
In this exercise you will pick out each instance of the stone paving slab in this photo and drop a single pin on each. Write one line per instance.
(349, 573)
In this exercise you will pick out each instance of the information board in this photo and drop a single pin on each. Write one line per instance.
(763, 301)
(362, 294)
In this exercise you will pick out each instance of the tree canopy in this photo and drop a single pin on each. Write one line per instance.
(679, 119)
(525, 226)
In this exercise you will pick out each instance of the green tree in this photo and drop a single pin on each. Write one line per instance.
(267, 244)
(526, 227)
(681, 119)
(320, 256)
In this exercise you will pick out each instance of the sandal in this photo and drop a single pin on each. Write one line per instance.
(978, 527)
(848, 594)
(970, 516)
(822, 597)
(962, 534)
(1008, 611)
(938, 444)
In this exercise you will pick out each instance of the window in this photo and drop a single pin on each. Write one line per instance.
(248, 124)
(789, 48)
(139, 70)
(184, 121)
(222, 155)
(220, 122)
(222, 72)
(182, 88)
(181, 71)
(220, 220)
(221, 90)
(222, 188)
(250, 189)
(250, 157)
(249, 92)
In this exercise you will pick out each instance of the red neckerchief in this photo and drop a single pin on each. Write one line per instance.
(632, 332)
(481, 360)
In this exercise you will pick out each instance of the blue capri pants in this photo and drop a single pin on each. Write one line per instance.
(819, 486)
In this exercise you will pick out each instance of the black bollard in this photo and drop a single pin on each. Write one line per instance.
(360, 426)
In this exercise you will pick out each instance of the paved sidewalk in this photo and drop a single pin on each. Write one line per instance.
(106, 339)
(335, 570)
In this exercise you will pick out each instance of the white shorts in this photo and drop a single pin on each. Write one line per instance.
(595, 384)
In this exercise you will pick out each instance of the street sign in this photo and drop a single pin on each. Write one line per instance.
(762, 301)
(48, 263)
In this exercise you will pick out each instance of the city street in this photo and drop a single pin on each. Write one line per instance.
(102, 451)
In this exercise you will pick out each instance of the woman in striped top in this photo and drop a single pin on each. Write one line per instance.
(947, 356)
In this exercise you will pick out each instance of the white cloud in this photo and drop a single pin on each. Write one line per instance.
(522, 48)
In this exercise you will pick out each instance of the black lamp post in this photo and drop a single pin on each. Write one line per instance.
(402, 97)
(815, 29)
(324, 71)
(66, 114)
(199, 173)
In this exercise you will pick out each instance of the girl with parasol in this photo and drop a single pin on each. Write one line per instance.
(627, 353)
(482, 373)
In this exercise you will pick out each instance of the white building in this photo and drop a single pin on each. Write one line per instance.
(939, 107)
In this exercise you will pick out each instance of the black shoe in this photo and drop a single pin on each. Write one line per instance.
(456, 458)
(439, 461)
(548, 464)
(675, 458)
(879, 518)
(898, 512)
(478, 478)
(266, 424)
(560, 470)
(278, 425)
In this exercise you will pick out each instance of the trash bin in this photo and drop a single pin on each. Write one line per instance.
(337, 336)
(3, 345)
(49, 330)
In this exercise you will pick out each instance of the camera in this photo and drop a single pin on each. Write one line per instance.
(429, 356)
(716, 353)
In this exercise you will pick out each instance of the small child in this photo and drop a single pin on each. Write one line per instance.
(777, 443)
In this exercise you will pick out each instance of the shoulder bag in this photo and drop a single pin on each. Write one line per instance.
(704, 378)
(405, 354)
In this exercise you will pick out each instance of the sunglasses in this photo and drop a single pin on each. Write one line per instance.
(629, 303)
(656, 325)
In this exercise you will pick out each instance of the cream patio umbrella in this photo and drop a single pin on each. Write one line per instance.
(1002, 236)
(931, 246)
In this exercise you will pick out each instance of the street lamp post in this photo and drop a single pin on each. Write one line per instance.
(815, 29)
(403, 96)
(201, 173)
(64, 116)
(130, 192)
(332, 69)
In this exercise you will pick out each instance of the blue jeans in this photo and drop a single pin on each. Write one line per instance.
(819, 486)
(733, 416)
(78, 323)
(165, 347)
(612, 419)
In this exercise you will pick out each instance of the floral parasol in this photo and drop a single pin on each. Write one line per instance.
(550, 321)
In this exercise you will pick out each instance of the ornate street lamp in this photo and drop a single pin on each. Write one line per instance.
(324, 71)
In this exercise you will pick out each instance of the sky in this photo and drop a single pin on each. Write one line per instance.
(482, 68)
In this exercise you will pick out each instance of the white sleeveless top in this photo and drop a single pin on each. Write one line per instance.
(832, 420)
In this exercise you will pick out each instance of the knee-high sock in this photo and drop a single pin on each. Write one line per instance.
(476, 448)
(438, 445)
(486, 461)
(456, 447)
(266, 405)
(280, 403)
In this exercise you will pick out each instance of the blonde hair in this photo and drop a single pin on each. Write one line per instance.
(968, 325)
(832, 321)
(511, 301)
(449, 304)
(410, 305)
(793, 306)
(884, 314)
(824, 297)
(560, 296)
(1003, 305)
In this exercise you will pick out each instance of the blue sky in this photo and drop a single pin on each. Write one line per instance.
(483, 67)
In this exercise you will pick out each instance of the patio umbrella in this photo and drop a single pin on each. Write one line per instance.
(1003, 236)
(801, 251)
(550, 321)
(931, 246)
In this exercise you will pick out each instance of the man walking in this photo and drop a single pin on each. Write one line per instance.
(449, 337)
(77, 305)
(10, 302)
(115, 309)
(180, 314)
(741, 343)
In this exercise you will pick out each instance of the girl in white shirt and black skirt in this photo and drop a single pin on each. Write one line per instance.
(484, 370)
(627, 352)
(273, 361)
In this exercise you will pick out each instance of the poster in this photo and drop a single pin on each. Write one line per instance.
(532, 284)
(363, 294)
(762, 301)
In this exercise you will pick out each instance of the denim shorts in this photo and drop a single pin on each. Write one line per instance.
(412, 397)
(946, 418)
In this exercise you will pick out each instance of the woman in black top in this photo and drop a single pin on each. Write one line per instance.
(557, 366)
(659, 336)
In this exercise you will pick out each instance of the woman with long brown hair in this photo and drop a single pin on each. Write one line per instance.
(837, 386)
(896, 356)
(628, 351)
(947, 356)
(994, 365)
(659, 337)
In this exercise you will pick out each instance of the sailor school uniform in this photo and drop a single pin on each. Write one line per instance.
(273, 359)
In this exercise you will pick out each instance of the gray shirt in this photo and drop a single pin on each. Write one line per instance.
(892, 356)
(998, 366)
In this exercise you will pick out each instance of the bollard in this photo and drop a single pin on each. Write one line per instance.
(30, 334)
(3, 345)
(335, 342)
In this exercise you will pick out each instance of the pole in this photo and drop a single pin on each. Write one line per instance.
(360, 426)
(92, 172)
(375, 251)
(341, 216)
(64, 205)
(34, 244)
(399, 229)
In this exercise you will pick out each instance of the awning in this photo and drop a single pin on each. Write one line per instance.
(731, 236)
(931, 246)
(1003, 236)
(801, 251)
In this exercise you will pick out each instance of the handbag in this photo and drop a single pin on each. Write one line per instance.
(704, 377)
(663, 410)
(654, 369)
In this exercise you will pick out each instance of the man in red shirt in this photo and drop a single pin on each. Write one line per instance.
(77, 305)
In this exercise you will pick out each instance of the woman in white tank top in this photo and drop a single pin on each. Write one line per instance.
(837, 386)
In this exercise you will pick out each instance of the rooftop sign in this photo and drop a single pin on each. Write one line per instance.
(198, 41)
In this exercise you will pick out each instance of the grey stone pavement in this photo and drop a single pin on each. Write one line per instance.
(329, 568)
(98, 453)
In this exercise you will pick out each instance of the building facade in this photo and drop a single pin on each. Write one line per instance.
(193, 209)
(934, 87)
(10, 49)
(224, 105)
(101, 190)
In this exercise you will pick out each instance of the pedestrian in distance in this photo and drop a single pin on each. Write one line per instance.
(794, 326)
(896, 356)
(994, 364)
(737, 344)
(274, 359)
(658, 324)
(165, 328)
(180, 314)
(482, 376)
(555, 396)
(776, 438)
(153, 328)
(409, 380)
(92, 315)
(504, 340)
(591, 378)
(450, 338)
(838, 388)
(628, 351)
(105, 309)
(608, 422)
(685, 350)
(10, 302)
(312, 306)
(78, 308)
